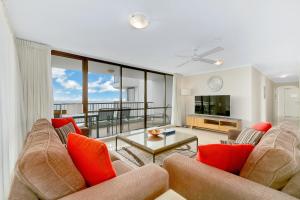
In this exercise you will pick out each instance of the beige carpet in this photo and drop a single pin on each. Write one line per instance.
(136, 157)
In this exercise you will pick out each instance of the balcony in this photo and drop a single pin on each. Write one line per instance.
(107, 119)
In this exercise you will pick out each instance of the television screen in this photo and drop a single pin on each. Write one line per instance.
(213, 105)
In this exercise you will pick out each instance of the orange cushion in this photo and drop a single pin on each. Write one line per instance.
(59, 122)
(91, 158)
(262, 126)
(230, 158)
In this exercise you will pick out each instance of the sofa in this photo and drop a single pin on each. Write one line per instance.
(45, 170)
(271, 172)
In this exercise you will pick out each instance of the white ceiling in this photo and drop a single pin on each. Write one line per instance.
(263, 33)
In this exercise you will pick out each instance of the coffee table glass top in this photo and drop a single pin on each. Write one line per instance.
(157, 143)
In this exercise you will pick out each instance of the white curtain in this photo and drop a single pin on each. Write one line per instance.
(176, 119)
(12, 127)
(35, 64)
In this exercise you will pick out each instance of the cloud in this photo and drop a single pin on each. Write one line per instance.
(108, 87)
(95, 84)
(69, 84)
(61, 77)
(58, 73)
(102, 86)
(92, 91)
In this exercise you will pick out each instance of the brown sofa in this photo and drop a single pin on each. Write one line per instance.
(45, 171)
(271, 172)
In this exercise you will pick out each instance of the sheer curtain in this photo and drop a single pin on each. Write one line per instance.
(35, 65)
(12, 127)
(176, 101)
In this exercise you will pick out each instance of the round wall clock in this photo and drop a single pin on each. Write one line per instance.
(215, 83)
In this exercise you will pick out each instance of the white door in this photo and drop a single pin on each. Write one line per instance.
(291, 102)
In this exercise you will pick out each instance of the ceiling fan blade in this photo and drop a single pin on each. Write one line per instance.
(184, 63)
(209, 61)
(212, 51)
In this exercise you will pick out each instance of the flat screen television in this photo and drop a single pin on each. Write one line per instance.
(213, 105)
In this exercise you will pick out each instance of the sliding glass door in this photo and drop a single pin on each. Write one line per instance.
(103, 99)
(107, 97)
(133, 85)
(156, 100)
(169, 95)
(67, 88)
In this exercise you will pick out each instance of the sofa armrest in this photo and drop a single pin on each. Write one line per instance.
(233, 134)
(195, 180)
(85, 131)
(146, 183)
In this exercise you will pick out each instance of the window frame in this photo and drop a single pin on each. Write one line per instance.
(85, 69)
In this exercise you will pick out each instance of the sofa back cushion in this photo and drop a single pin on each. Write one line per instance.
(45, 166)
(274, 160)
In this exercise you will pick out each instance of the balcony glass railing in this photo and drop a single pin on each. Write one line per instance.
(104, 118)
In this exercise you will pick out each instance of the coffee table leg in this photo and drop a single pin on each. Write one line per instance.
(116, 143)
(153, 158)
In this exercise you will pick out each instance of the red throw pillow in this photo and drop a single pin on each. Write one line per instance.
(59, 122)
(230, 158)
(91, 158)
(262, 126)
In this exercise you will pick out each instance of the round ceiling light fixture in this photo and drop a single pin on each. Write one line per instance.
(138, 20)
(283, 76)
(219, 62)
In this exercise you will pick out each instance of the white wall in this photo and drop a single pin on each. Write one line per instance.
(11, 121)
(236, 83)
(245, 86)
(262, 97)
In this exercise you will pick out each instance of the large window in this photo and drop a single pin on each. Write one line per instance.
(67, 88)
(109, 98)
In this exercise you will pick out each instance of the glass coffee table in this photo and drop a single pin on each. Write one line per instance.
(157, 144)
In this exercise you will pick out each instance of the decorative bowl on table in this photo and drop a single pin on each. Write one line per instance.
(154, 132)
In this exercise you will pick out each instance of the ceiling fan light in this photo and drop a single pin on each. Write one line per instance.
(219, 62)
(138, 21)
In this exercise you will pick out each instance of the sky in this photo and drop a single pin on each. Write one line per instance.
(67, 86)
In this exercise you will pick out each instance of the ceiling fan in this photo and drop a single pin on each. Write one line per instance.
(201, 57)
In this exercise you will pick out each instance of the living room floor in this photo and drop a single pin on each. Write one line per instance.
(204, 137)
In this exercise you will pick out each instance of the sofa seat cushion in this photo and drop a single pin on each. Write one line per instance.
(274, 160)
(45, 166)
(121, 167)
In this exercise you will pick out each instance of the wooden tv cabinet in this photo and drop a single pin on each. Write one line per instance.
(219, 124)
